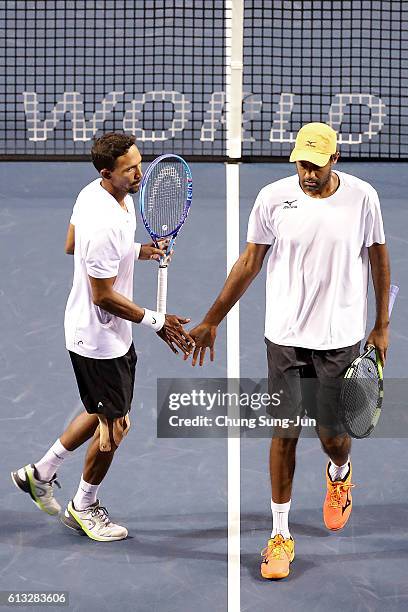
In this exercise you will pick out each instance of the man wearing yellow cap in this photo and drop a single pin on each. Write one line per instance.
(324, 228)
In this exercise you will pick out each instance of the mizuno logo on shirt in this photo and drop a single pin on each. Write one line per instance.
(154, 321)
(289, 204)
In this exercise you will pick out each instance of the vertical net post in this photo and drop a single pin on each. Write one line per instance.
(234, 66)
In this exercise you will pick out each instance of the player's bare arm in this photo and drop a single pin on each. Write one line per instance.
(380, 272)
(241, 276)
(70, 240)
(113, 302)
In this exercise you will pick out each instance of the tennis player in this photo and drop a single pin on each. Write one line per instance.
(325, 227)
(98, 331)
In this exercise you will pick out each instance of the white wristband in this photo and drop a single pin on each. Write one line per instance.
(138, 246)
(153, 319)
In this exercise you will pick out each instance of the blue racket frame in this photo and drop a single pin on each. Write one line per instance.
(155, 237)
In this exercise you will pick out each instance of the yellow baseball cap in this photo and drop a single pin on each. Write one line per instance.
(315, 142)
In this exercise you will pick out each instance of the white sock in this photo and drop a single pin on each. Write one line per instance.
(86, 495)
(280, 518)
(338, 472)
(53, 458)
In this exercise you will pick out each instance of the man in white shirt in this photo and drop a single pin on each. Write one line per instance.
(98, 332)
(324, 227)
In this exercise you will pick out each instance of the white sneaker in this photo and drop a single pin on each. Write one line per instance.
(67, 520)
(95, 522)
(41, 492)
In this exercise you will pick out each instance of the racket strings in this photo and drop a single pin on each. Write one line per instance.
(366, 369)
(360, 396)
(166, 197)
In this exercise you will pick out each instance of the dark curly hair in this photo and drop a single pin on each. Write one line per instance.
(108, 148)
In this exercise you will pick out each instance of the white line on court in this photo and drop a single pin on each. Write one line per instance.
(233, 373)
(234, 15)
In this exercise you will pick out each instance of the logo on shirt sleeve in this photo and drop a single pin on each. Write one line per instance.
(289, 204)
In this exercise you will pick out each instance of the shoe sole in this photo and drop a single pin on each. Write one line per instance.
(90, 535)
(22, 486)
(335, 528)
(71, 524)
(275, 577)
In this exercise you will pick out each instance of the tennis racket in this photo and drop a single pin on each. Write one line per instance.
(165, 199)
(362, 389)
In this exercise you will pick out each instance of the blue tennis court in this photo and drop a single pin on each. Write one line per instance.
(172, 494)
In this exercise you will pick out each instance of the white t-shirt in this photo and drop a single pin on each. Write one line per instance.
(317, 273)
(104, 247)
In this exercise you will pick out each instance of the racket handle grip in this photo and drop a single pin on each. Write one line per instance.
(393, 294)
(162, 289)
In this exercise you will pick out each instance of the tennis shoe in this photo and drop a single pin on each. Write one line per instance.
(94, 521)
(338, 502)
(277, 557)
(41, 492)
(67, 520)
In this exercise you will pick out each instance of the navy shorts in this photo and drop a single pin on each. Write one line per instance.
(308, 382)
(106, 385)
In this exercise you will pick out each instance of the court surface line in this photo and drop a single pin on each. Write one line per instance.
(234, 18)
(233, 373)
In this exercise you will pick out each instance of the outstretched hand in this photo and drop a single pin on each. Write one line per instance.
(174, 334)
(203, 336)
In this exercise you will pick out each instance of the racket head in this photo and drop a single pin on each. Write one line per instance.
(165, 197)
(362, 394)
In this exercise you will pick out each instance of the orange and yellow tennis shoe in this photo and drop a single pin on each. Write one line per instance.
(338, 503)
(277, 556)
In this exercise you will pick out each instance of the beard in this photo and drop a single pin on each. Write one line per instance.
(134, 189)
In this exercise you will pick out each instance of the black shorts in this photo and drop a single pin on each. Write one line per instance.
(310, 381)
(106, 385)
